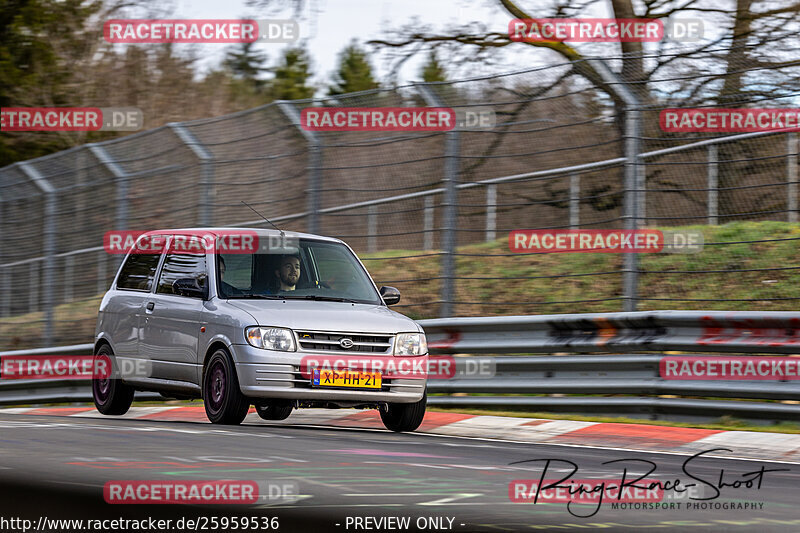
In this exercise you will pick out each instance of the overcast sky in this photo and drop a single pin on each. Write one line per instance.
(337, 22)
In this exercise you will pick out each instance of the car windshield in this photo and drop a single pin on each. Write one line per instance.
(319, 270)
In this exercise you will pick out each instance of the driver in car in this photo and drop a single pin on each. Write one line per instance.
(288, 273)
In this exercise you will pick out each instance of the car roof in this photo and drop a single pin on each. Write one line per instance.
(261, 232)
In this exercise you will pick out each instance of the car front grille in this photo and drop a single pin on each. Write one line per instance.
(326, 341)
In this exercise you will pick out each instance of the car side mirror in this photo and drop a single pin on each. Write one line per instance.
(189, 287)
(390, 295)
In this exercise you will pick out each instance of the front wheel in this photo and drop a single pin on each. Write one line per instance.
(273, 410)
(111, 396)
(404, 416)
(224, 402)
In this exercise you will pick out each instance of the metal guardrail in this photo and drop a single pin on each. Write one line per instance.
(518, 379)
(628, 374)
(48, 391)
(635, 374)
(687, 331)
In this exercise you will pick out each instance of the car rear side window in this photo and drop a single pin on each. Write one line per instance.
(138, 272)
(179, 266)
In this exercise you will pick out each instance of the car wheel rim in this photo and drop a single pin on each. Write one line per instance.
(102, 385)
(216, 386)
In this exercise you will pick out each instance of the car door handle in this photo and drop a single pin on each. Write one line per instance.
(150, 306)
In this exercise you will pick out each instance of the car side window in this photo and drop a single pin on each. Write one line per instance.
(138, 272)
(179, 266)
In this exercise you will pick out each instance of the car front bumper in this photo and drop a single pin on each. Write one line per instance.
(272, 374)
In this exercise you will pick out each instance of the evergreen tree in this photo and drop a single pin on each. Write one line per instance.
(292, 75)
(247, 64)
(354, 72)
(433, 69)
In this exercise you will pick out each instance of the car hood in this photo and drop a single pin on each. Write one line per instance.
(326, 316)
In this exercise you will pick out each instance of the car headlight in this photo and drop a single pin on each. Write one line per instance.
(279, 339)
(410, 344)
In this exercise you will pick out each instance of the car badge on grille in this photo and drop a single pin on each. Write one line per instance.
(346, 343)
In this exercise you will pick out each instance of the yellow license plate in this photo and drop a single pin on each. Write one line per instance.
(346, 378)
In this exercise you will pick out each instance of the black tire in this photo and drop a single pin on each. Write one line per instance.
(274, 410)
(111, 396)
(404, 416)
(223, 401)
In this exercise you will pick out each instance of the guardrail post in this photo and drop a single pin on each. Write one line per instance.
(49, 246)
(491, 212)
(634, 178)
(792, 148)
(206, 158)
(372, 228)
(450, 181)
(428, 224)
(314, 164)
(574, 201)
(713, 185)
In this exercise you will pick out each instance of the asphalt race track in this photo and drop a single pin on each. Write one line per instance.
(56, 467)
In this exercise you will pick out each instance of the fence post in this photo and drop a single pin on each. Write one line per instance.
(372, 228)
(314, 164)
(450, 180)
(5, 272)
(634, 179)
(428, 224)
(206, 158)
(101, 273)
(69, 280)
(33, 286)
(49, 245)
(491, 212)
(5, 306)
(713, 185)
(574, 201)
(122, 179)
(792, 148)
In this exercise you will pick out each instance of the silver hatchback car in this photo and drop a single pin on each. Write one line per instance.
(293, 321)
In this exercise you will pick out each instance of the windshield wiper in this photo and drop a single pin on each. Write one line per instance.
(257, 296)
(322, 298)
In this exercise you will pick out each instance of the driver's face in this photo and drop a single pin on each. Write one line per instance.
(289, 272)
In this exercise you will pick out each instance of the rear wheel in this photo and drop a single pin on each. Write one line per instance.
(224, 402)
(111, 395)
(274, 410)
(404, 416)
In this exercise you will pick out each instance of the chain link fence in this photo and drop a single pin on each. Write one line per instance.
(430, 212)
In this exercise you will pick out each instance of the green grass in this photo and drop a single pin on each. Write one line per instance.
(739, 272)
